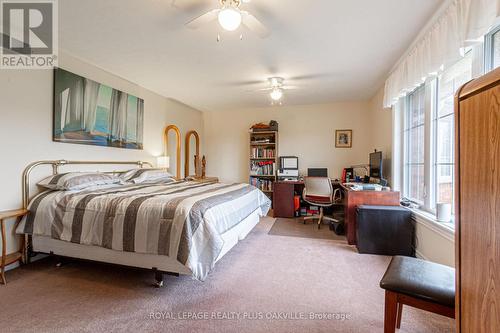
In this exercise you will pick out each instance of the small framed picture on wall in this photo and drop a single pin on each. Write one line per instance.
(343, 139)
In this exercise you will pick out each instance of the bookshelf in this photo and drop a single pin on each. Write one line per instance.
(263, 162)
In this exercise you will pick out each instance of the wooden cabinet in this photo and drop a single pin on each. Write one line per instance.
(477, 107)
(353, 199)
(283, 195)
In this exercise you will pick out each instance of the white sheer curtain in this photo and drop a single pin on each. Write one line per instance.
(478, 16)
(76, 106)
(91, 93)
(140, 121)
(118, 116)
(64, 101)
(460, 24)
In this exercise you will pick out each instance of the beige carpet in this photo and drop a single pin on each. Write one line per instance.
(297, 228)
(263, 279)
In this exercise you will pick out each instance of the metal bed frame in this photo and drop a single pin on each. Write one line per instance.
(56, 164)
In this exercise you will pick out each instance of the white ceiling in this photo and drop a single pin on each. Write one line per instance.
(333, 50)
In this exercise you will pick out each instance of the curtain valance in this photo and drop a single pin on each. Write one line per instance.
(460, 24)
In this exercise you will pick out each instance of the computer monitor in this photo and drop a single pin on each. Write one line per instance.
(376, 165)
(289, 162)
(317, 172)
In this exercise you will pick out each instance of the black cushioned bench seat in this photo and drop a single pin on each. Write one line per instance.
(417, 283)
(421, 279)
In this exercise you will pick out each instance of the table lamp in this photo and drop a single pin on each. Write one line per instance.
(163, 162)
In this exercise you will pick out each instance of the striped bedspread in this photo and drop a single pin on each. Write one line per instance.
(183, 220)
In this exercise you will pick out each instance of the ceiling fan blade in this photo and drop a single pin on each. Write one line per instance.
(262, 91)
(203, 19)
(312, 76)
(283, 88)
(255, 25)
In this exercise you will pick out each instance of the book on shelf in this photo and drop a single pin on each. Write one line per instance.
(262, 168)
(263, 185)
(263, 153)
(257, 141)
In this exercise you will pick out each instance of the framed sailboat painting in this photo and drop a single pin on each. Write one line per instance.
(91, 113)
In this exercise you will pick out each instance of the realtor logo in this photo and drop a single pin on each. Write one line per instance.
(28, 34)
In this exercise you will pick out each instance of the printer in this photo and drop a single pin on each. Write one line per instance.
(288, 168)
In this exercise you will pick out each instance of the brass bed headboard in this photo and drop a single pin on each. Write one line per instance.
(58, 163)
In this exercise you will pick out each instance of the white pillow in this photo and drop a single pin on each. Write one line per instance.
(78, 180)
(138, 176)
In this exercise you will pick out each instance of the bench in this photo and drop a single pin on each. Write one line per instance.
(417, 283)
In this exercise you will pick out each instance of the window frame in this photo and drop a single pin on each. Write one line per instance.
(436, 117)
(431, 93)
(435, 160)
(489, 49)
(406, 129)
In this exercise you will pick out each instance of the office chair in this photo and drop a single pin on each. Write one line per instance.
(318, 191)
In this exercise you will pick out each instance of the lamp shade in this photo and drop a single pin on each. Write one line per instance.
(163, 162)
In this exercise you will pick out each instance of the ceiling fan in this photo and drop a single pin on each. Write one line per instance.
(230, 18)
(277, 88)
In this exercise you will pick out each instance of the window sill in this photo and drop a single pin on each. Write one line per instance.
(428, 220)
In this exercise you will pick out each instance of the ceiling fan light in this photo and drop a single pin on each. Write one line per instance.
(276, 94)
(275, 81)
(229, 18)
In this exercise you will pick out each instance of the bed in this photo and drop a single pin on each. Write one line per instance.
(179, 227)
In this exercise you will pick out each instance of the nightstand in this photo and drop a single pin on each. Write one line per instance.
(206, 180)
(8, 259)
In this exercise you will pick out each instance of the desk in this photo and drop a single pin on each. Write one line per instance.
(353, 199)
(283, 193)
(283, 204)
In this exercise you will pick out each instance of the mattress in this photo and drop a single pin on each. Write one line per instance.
(181, 220)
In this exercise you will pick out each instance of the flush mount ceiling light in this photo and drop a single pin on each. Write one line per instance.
(230, 18)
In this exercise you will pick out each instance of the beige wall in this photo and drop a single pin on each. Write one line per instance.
(434, 242)
(304, 131)
(26, 125)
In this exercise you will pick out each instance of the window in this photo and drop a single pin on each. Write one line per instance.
(444, 129)
(492, 49)
(414, 136)
(429, 136)
(424, 127)
(496, 49)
